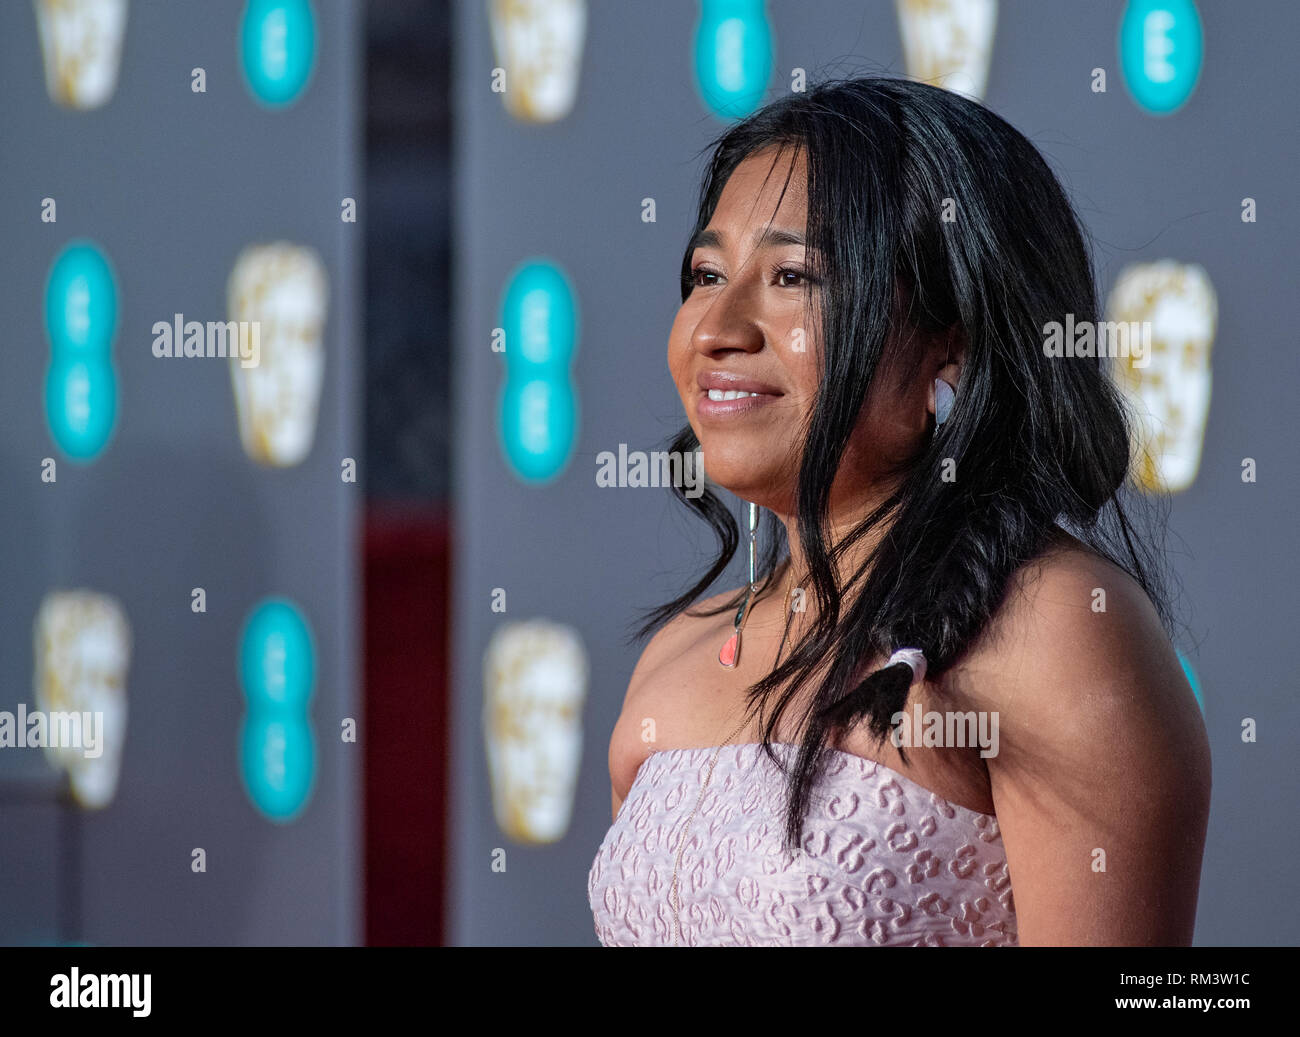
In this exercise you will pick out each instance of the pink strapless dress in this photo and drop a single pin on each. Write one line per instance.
(884, 862)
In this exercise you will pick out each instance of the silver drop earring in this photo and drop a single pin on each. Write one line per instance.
(729, 654)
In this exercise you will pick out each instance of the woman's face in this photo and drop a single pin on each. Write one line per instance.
(750, 324)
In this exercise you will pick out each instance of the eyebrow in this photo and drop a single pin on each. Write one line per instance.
(768, 237)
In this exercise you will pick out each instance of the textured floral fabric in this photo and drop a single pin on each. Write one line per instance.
(884, 861)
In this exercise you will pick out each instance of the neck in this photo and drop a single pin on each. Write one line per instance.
(842, 522)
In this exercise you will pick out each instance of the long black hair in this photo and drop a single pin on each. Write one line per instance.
(918, 192)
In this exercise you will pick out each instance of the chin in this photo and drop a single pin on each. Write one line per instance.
(733, 468)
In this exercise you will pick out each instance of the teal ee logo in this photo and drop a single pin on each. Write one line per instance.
(733, 56)
(538, 406)
(80, 322)
(277, 48)
(277, 673)
(1160, 44)
(1193, 680)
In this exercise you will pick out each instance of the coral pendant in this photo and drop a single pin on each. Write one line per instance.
(730, 653)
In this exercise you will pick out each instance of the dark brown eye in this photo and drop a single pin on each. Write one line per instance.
(801, 278)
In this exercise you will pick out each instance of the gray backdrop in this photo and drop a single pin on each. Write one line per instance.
(1147, 188)
(173, 185)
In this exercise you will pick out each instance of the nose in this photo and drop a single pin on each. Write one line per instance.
(729, 322)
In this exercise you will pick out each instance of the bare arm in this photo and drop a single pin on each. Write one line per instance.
(1102, 780)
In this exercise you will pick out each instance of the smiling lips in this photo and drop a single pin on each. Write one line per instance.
(724, 394)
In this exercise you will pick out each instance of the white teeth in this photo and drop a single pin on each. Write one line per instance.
(728, 394)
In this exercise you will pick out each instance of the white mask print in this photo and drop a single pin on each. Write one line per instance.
(81, 43)
(539, 44)
(949, 43)
(283, 290)
(535, 684)
(1169, 390)
(82, 652)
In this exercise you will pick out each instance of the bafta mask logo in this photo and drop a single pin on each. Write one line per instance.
(81, 43)
(83, 649)
(539, 45)
(283, 289)
(1170, 393)
(535, 684)
(949, 43)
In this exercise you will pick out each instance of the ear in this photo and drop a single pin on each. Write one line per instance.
(957, 343)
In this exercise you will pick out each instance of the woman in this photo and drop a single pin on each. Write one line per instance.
(859, 352)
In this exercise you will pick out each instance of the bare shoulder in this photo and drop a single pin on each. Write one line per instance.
(683, 631)
(1077, 640)
(656, 685)
(657, 675)
(1103, 755)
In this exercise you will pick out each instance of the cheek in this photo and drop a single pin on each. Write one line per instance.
(802, 373)
(886, 432)
(798, 343)
(805, 375)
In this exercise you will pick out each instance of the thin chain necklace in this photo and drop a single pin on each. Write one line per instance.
(788, 611)
(674, 893)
